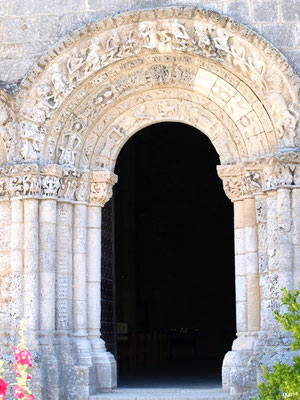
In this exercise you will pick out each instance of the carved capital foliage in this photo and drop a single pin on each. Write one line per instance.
(50, 181)
(101, 187)
(282, 170)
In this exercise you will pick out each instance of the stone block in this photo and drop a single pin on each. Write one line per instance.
(239, 241)
(241, 316)
(280, 35)
(290, 10)
(18, 8)
(4, 7)
(56, 7)
(241, 288)
(294, 58)
(265, 11)
(20, 30)
(251, 263)
(114, 5)
(240, 267)
(149, 3)
(250, 239)
(239, 10)
(49, 28)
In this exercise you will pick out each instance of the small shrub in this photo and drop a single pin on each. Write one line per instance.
(284, 381)
(22, 371)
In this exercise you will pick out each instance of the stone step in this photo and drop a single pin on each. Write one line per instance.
(163, 394)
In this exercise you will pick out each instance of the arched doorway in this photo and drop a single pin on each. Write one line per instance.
(72, 115)
(175, 300)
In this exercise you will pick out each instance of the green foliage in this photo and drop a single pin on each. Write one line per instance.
(284, 381)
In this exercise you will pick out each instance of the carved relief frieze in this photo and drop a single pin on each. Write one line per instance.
(167, 50)
(262, 175)
(8, 127)
(50, 181)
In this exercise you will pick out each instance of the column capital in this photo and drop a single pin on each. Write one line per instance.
(101, 187)
(52, 181)
(255, 177)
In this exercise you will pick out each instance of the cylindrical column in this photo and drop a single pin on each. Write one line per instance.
(64, 262)
(94, 281)
(296, 236)
(251, 250)
(31, 266)
(16, 256)
(268, 322)
(285, 245)
(240, 266)
(47, 234)
(82, 344)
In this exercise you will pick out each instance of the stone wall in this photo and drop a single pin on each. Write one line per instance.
(28, 28)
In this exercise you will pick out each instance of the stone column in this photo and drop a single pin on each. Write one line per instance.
(82, 344)
(103, 361)
(285, 244)
(296, 236)
(240, 267)
(251, 253)
(31, 270)
(47, 237)
(64, 261)
(47, 259)
(16, 255)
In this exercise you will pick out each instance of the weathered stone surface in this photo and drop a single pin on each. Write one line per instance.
(265, 11)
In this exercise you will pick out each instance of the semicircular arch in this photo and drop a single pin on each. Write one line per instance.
(91, 78)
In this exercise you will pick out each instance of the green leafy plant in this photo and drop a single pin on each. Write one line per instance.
(284, 381)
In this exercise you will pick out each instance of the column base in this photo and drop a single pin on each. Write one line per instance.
(103, 375)
(241, 370)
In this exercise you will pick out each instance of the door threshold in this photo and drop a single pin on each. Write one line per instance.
(163, 394)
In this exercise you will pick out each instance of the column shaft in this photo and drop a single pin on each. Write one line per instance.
(47, 234)
(251, 249)
(296, 236)
(240, 266)
(285, 245)
(64, 266)
(82, 344)
(31, 264)
(94, 281)
(16, 256)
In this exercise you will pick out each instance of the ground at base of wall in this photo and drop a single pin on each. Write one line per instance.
(163, 394)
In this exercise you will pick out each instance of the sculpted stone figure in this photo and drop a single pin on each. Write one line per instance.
(92, 60)
(57, 79)
(70, 143)
(74, 63)
(31, 141)
(148, 34)
(285, 116)
(7, 125)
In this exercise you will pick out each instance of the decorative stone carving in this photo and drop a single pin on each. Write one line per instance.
(50, 185)
(70, 143)
(286, 115)
(32, 136)
(144, 52)
(7, 126)
(101, 187)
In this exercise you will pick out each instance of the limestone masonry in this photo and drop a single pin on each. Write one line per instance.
(69, 104)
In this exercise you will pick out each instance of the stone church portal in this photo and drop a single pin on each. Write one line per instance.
(61, 133)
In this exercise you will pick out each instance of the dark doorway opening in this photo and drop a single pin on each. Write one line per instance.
(174, 262)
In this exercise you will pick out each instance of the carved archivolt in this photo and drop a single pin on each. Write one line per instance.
(95, 89)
